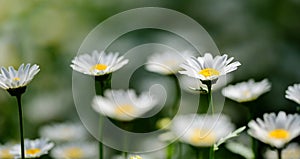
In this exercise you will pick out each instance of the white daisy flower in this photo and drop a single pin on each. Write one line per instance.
(274, 130)
(208, 68)
(97, 64)
(193, 85)
(123, 105)
(33, 148)
(5, 151)
(63, 132)
(293, 93)
(201, 130)
(82, 150)
(167, 62)
(12, 79)
(246, 91)
(292, 151)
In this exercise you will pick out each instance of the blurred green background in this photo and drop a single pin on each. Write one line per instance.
(263, 35)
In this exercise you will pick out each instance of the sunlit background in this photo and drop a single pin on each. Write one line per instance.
(263, 35)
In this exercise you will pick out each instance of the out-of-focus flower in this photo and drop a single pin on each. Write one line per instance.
(274, 130)
(208, 68)
(76, 150)
(97, 64)
(135, 157)
(293, 93)
(33, 148)
(201, 130)
(167, 62)
(240, 149)
(13, 79)
(123, 105)
(63, 132)
(193, 85)
(292, 151)
(246, 91)
(5, 151)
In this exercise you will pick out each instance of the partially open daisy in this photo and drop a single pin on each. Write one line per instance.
(123, 105)
(208, 68)
(274, 130)
(293, 93)
(292, 151)
(246, 91)
(201, 130)
(167, 62)
(33, 148)
(5, 151)
(12, 79)
(82, 150)
(63, 132)
(98, 63)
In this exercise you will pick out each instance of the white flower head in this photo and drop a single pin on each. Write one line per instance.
(167, 62)
(5, 151)
(292, 151)
(203, 130)
(123, 105)
(274, 130)
(12, 79)
(293, 93)
(63, 132)
(33, 148)
(75, 150)
(246, 91)
(98, 63)
(193, 85)
(208, 68)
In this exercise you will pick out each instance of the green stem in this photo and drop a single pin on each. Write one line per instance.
(21, 126)
(177, 95)
(210, 99)
(125, 154)
(211, 153)
(180, 150)
(254, 147)
(169, 151)
(197, 153)
(279, 151)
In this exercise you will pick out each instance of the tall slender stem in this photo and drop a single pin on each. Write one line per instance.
(169, 151)
(125, 154)
(21, 126)
(177, 95)
(279, 151)
(211, 152)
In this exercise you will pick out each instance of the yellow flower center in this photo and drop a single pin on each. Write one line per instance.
(208, 72)
(5, 154)
(16, 79)
(124, 109)
(279, 134)
(74, 152)
(136, 157)
(33, 151)
(99, 67)
(202, 137)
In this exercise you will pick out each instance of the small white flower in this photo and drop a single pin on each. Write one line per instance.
(293, 93)
(82, 150)
(33, 148)
(167, 62)
(5, 151)
(123, 105)
(193, 85)
(97, 64)
(246, 91)
(63, 132)
(292, 151)
(12, 79)
(208, 68)
(274, 130)
(201, 130)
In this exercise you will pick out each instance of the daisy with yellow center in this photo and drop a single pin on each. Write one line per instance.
(13, 79)
(208, 68)
(76, 150)
(98, 63)
(201, 130)
(5, 152)
(293, 93)
(168, 62)
(123, 105)
(246, 91)
(292, 151)
(274, 130)
(33, 148)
